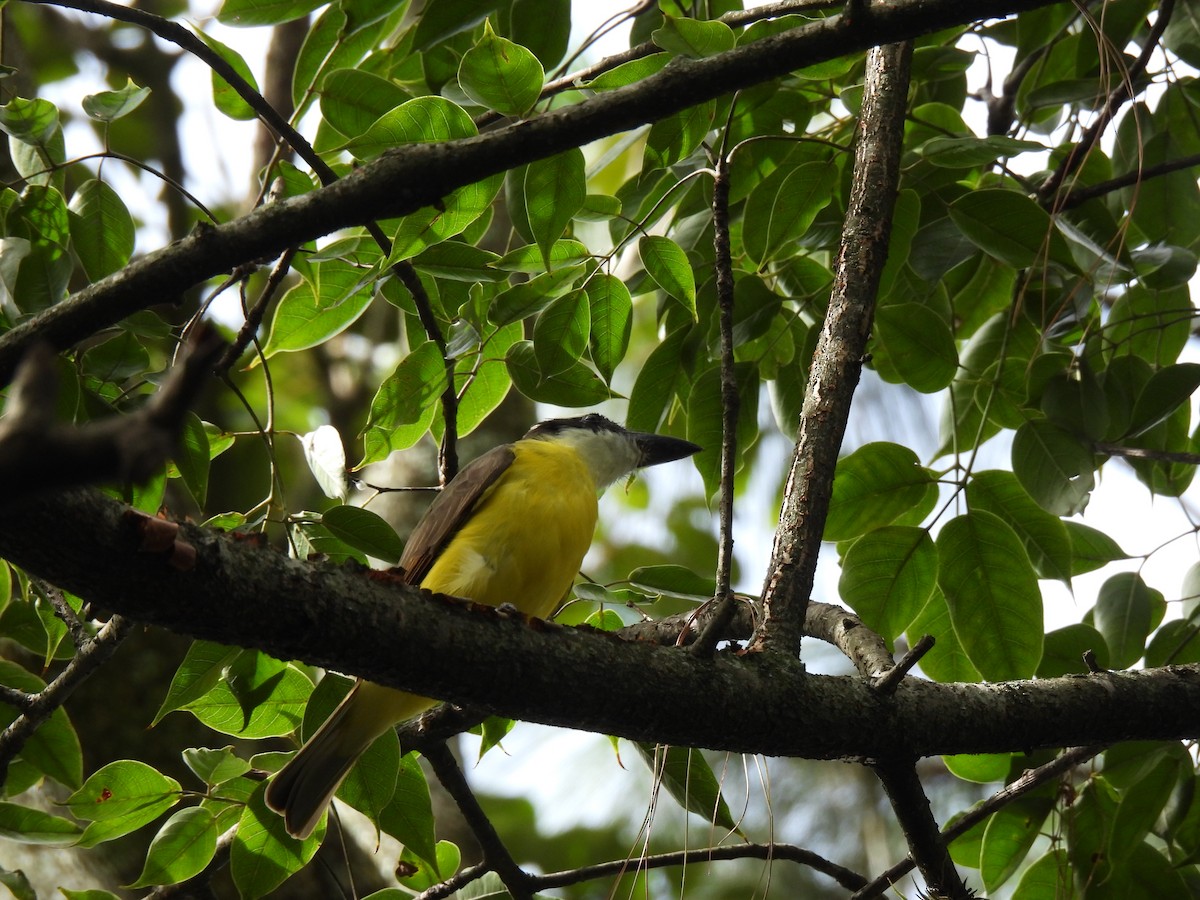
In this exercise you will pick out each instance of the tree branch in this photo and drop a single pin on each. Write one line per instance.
(926, 844)
(368, 623)
(409, 178)
(42, 705)
(38, 453)
(837, 361)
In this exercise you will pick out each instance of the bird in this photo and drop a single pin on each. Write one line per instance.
(511, 528)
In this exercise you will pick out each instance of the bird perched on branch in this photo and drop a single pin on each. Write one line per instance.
(512, 527)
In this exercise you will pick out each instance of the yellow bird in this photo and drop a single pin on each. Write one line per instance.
(513, 527)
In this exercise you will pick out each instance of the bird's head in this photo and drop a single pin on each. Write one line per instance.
(608, 449)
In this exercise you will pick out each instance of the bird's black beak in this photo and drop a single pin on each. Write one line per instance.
(658, 448)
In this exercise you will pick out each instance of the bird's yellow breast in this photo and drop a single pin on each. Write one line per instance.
(526, 538)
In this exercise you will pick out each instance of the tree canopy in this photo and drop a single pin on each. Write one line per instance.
(221, 420)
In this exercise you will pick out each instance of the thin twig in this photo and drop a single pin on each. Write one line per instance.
(890, 680)
(255, 316)
(1080, 195)
(1118, 98)
(844, 877)
(1031, 779)
(90, 656)
(62, 609)
(1167, 456)
(730, 403)
(495, 855)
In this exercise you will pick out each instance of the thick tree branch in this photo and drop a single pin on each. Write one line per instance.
(37, 452)
(367, 623)
(926, 844)
(419, 175)
(837, 361)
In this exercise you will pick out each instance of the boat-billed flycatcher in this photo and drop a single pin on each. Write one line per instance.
(513, 527)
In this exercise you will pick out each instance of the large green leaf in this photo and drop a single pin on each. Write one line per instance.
(1054, 466)
(1124, 614)
(120, 798)
(555, 189)
(888, 576)
(501, 75)
(992, 593)
(872, 487)
(1043, 535)
(326, 303)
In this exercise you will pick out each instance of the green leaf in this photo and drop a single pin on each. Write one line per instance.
(1124, 615)
(656, 382)
(120, 798)
(32, 826)
(687, 776)
(574, 386)
(404, 405)
(530, 297)
(872, 487)
(668, 266)
(1140, 806)
(1167, 390)
(704, 420)
(554, 190)
(258, 697)
(1044, 536)
(487, 382)
(108, 106)
(1091, 549)
(29, 121)
(1054, 467)
(352, 100)
(327, 302)
(426, 875)
(192, 458)
(215, 766)
(18, 884)
(969, 152)
(783, 207)
(693, 38)
(263, 854)
(888, 576)
(326, 458)
(501, 75)
(364, 530)
(919, 344)
(249, 13)
(677, 136)
(611, 310)
(1151, 325)
(560, 334)
(409, 816)
(1064, 649)
(632, 72)
(673, 581)
(1009, 835)
(1049, 878)
(993, 597)
(182, 848)
(441, 19)
(1005, 224)
(981, 768)
(947, 662)
(227, 100)
(198, 673)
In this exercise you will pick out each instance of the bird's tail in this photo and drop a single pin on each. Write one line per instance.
(303, 788)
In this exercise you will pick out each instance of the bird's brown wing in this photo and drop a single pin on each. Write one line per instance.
(450, 510)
